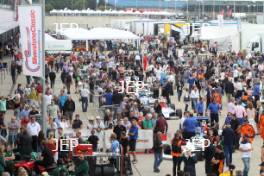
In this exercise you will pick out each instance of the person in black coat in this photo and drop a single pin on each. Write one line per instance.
(190, 160)
(229, 88)
(119, 129)
(69, 108)
(13, 71)
(24, 142)
(208, 155)
(52, 77)
(166, 91)
(117, 97)
(68, 82)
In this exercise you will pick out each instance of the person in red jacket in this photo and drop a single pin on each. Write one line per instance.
(161, 125)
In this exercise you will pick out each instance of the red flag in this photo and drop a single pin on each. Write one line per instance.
(222, 12)
(145, 63)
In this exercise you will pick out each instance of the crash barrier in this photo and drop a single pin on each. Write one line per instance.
(145, 138)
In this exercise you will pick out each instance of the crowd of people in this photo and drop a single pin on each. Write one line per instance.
(131, 89)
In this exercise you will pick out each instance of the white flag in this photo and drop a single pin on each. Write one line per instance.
(30, 23)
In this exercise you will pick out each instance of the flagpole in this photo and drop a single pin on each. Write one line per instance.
(44, 108)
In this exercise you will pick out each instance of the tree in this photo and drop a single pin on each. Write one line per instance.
(91, 4)
(101, 3)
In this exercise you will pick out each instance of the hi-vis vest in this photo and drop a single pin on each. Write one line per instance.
(177, 153)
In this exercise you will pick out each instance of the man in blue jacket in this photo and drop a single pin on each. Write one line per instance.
(214, 109)
(200, 107)
(189, 127)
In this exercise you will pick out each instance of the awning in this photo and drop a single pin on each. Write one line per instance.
(7, 21)
(98, 34)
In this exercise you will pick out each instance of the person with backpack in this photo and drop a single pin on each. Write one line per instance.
(176, 152)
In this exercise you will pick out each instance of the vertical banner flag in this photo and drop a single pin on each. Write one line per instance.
(229, 12)
(30, 23)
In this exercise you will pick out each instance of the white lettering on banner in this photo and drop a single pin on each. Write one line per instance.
(30, 23)
(137, 85)
(66, 144)
(196, 144)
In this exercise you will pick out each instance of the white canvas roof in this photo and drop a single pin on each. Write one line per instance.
(53, 44)
(98, 34)
(215, 32)
(7, 21)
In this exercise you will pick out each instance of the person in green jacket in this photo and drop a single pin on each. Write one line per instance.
(9, 159)
(82, 167)
(147, 123)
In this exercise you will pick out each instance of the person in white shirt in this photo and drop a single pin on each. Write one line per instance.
(33, 129)
(99, 127)
(235, 73)
(64, 123)
(246, 149)
(138, 59)
(239, 88)
(84, 93)
(194, 95)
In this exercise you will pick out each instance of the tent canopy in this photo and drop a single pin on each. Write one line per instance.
(76, 33)
(49, 38)
(53, 44)
(98, 34)
(215, 32)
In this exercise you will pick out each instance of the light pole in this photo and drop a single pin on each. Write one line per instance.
(214, 9)
(234, 6)
(187, 9)
(43, 107)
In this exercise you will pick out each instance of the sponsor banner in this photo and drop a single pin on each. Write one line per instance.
(30, 23)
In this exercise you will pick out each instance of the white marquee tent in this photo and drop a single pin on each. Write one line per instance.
(76, 33)
(53, 44)
(98, 34)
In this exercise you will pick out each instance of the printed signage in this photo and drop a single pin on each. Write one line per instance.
(30, 23)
